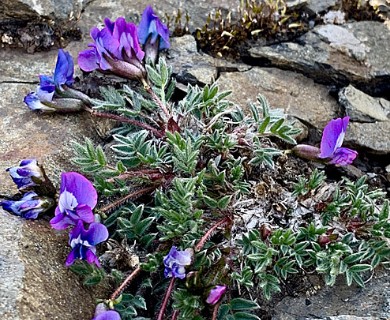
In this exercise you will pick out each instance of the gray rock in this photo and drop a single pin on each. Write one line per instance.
(362, 107)
(340, 302)
(188, 64)
(372, 136)
(296, 4)
(320, 6)
(34, 281)
(296, 94)
(363, 59)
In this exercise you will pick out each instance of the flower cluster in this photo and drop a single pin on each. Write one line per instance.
(54, 92)
(117, 47)
(331, 150)
(77, 199)
(175, 262)
(35, 188)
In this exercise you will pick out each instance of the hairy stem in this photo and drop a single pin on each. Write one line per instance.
(132, 195)
(156, 132)
(156, 98)
(126, 282)
(166, 298)
(203, 240)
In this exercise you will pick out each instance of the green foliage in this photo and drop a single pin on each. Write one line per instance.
(238, 309)
(304, 185)
(128, 306)
(90, 274)
(198, 159)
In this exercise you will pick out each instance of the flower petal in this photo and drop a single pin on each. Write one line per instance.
(72, 256)
(96, 233)
(343, 156)
(82, 189)
(87, 60)
(61, 221)
(63, 73)
(333, 136)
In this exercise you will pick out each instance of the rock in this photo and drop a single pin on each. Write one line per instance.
(363, 108)
(342, 302)
(35, 283)
(38, 24)
(320, 6)
(354, 53)
(296, 4)
(371, 136)
(296, 94)
(190, 66)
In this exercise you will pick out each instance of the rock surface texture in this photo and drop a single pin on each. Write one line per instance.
(354, 59)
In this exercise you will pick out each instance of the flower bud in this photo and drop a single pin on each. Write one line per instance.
(27, 174)
(215, 294)
(307, 152)
(29, 207)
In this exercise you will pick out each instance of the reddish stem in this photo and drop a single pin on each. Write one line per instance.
(215, 311)
(175, 315)
(153, 174)
(166, 298)
(140, 124)
(203, 240)
(131, 276)
(158, 101)
(133, 195)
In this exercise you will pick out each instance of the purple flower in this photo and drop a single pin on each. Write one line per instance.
(50, 95)
(116, 49)
(83, 242)
(101, 313)
(330, 150)
(27, 174)
(29, 207)
(332, 139)
(215, 294)
(175, 263)
(152, 33)
(77, 199)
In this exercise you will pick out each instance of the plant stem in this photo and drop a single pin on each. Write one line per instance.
(125, 283)
(215, 311)
(156, 98)
(153, 174)
(166, 298)
(140, 124)
(134, 195)
(203, 240)
(175, 315)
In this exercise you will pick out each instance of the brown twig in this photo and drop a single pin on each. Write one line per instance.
(203, 240)
(123, 285)
(156, 132)
(133, 195)
(166, 298)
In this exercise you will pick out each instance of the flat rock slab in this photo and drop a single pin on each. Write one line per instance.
(35, 284)
(297, 95)
(355, 53)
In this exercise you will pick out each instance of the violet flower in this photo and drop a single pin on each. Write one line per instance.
(77, 199)
(53, 93)
(83, 242)
(153, 34)
(330, 150)
(332, 139)
(29, 207)
(175, 263)
(215, 294)
(115, 49)
(27, 174)
(101, 313)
